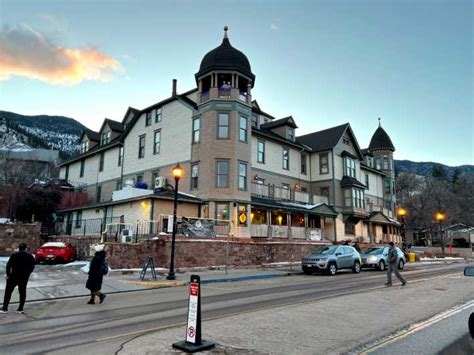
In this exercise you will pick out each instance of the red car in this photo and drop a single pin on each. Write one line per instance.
(55, 251)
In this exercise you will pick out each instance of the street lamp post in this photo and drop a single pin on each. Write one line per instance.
(177, 173)
(402, 213)
(439, 216)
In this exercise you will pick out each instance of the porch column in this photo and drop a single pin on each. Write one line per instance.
(288, 224)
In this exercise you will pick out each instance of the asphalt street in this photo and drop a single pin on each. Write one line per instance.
(69, 325)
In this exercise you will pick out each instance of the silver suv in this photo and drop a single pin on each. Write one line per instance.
(376, 257)
(332, 258)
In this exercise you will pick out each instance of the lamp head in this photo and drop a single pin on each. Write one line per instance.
(439, 216)
(401, 212)
(178, 171)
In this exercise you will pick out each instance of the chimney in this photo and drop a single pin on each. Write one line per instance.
(175, 83)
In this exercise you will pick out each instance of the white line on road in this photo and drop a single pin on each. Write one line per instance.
(416, 327)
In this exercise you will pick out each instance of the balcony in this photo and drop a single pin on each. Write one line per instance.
(291, 195)
(204, 96)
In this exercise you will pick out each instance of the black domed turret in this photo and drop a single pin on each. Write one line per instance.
(380, 140)
(226, 57)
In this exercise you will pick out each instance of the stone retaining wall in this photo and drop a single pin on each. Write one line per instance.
(206, 253)
(11, 235)
(436, 251)
(82, 244)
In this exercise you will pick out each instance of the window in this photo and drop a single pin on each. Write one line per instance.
(78, 219)
(154, 175)
(357, 198)
(254, 120)
(367, 180)
(378, 166)
(118, 185)
(223, 126)
(323, 163)
(105, 138)
(285, 186)
(385, 163)
(157, 141)
(349, 228)
(101, 162)
(291, 134)
(347, 198)
(98, 193)
(148, 119)
(242, 215)
(81, 172)
(158, 115)
(120, 158)
(139, 179)
(350, 167)
(196, 129)
(84, 146)
(243, 129)
(345, 140)
(242, 176)
(261, 152)
(303, 163)
(386, 184)
(222, 173)
(324, 191)
(141, 147)
(286, 159)
(194, 176)
(222, 211)
(369, 162)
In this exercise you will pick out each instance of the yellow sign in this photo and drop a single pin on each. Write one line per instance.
(243, 217)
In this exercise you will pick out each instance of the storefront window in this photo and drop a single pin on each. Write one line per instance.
(258, 216)
(297, 219)
(278, 218)
(222, 211)
(314, 221)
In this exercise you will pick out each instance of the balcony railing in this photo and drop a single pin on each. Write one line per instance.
(224, 93)
(204, 96)
(279, 193)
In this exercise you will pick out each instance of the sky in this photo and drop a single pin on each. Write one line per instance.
(323, 62)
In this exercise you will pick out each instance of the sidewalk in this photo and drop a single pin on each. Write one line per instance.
(333, 325)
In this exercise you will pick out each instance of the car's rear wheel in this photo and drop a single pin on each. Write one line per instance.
(382, 265)
(401, 265)
(332, 269)
(356, 267)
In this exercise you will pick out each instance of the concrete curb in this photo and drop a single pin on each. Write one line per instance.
(245, 277)
(156, 284)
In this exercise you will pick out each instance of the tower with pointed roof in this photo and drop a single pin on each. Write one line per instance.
(382, 148)
(221, 149)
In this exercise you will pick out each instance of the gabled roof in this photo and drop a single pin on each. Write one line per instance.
(256, 108)
(325, 139)
(114, 125)
(92, 135)
(187, 101)
(348, 181)
(269, 134)
(286, 121)
(131, 110)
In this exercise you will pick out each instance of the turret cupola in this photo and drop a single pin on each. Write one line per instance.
(381, 140)
(225, 68)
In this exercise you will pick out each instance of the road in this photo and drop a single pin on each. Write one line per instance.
(71, 326)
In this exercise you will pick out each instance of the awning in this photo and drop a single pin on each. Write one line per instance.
(380, 218)
(320, 209)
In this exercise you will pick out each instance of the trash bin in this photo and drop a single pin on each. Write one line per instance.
(412, 257)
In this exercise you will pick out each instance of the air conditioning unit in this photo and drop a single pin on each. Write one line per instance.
(160, 182)
(126, 236)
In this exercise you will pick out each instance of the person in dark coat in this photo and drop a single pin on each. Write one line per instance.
(97, 269)
(19, 267)
(392, 259)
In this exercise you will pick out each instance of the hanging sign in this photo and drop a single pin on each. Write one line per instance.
(243, 217)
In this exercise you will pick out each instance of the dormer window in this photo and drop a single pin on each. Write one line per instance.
(254, 120)
(84, 146)
(345, 140)
(105, 138)
(291, 134)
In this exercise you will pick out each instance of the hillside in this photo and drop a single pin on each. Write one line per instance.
(21, 132)
(425, 168)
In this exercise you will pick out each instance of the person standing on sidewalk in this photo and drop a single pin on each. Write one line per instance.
(19, 267)
(97, 269)
(393, 265)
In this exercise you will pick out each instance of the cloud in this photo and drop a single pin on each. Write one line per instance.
(26, 52)
(273, 27)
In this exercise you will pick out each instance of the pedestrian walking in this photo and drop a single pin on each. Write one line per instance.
(357, 246)
(393, 265)
(97, 269)
(20, 265)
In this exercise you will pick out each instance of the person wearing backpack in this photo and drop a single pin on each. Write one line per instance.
(97, 269)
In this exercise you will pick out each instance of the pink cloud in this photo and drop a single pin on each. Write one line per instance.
(26, 52)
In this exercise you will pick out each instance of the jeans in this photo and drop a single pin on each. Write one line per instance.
(11, 284)
(394, 268)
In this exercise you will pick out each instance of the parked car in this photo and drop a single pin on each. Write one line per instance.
(55, 251)
(469, 271)
(332, 258)
(376, 258)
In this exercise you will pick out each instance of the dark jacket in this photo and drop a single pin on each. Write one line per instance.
(97, 269)
(392, 256)
(20, 265)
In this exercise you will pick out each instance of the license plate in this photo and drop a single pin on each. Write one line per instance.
(50, 256)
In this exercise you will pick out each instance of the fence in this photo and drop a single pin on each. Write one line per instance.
(93, 226)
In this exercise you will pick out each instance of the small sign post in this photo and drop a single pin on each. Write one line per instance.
(194, 342)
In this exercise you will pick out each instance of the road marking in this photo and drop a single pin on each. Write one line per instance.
(145, 331)
(416, 327)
